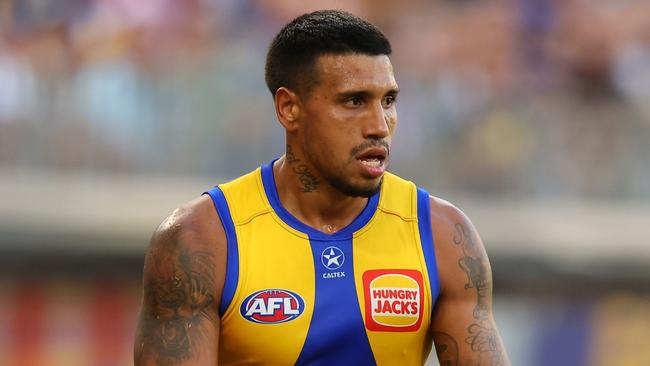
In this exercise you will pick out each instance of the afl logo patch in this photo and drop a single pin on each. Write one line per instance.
(394, 300)
(272, 306)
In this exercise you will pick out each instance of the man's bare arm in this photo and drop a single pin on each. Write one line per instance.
(183, 279)
(465, 333)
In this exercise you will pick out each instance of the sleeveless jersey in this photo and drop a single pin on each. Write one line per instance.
(294, 295)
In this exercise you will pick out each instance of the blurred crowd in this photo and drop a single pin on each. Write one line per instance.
(528, 99)
(522, 98)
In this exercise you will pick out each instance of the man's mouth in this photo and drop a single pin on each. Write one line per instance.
(373, 156)
(374, 160)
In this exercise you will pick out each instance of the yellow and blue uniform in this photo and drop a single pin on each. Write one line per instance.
(294, 295)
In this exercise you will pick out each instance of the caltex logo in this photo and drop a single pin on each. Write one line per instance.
(272, 306)
(332, 258)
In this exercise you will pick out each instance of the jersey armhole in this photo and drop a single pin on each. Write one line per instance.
(232, 251)
(426, 240)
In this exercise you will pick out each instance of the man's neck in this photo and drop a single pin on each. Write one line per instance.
(310, 199)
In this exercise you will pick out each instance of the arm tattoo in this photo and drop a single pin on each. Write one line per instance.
(179, 308)
(307, 179)
(476, 273)
(446, 349)
(463, 236)
(483, 338)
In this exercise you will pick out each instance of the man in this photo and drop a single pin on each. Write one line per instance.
(321, 256)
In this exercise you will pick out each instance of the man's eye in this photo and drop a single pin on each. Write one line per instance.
(388, 101)
(354, 102)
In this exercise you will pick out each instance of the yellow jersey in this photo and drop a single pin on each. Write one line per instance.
(363, 295)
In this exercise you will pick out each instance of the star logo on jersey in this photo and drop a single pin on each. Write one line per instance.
(332, 258)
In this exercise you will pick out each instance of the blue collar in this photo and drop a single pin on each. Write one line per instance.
(268, 180)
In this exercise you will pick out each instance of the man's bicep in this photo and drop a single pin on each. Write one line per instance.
(449, 332)
(179, 322)
(461, 339)
(463, 324)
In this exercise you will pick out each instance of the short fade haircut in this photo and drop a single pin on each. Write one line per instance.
(294, 51)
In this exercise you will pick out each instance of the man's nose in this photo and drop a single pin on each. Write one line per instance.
(377, 123)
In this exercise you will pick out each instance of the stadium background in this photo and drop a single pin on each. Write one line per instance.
(532, 115)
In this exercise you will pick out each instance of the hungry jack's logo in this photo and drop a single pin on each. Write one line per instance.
(394, 299)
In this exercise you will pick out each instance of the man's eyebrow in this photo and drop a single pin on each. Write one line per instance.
(364, 93)
(393, 91)
(353, 93)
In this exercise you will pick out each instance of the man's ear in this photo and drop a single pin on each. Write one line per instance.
(287, 108)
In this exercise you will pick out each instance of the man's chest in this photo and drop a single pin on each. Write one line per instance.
(362, 299)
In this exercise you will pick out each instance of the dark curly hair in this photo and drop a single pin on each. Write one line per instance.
(295, 49)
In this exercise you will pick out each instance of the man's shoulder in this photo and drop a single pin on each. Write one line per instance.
(450, 227)
(193, 224)
(444, 213)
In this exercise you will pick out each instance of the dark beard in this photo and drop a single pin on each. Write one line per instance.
(340, 184)
(353, 191)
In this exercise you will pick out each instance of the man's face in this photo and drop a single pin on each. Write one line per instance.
(349, 121)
